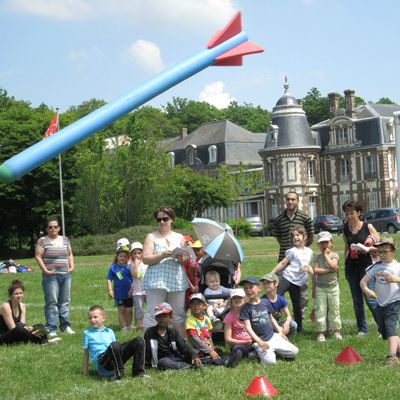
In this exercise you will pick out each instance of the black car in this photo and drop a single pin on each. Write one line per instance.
(384, 219)
(328, 222)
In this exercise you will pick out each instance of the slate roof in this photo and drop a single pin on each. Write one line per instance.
(234, 143)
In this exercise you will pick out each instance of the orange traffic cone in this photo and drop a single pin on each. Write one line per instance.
(259, 386)
(348, 356)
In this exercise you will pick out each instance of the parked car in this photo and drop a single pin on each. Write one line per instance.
(257, 228)
(384, 219)
(330, 223)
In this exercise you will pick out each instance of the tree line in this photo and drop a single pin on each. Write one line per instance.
(108, 189)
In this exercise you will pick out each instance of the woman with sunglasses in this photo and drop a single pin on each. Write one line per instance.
(165, 279)
(54, 257)
(357, 231)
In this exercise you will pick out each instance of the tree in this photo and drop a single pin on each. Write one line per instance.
(254, 119)
(315, 106)
(190, 114)
(385, 100)
(25, 202)
(194, 193)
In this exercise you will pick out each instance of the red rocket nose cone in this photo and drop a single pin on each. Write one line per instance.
(348, 356)
(259, 386)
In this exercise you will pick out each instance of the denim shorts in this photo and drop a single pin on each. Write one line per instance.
(128, 303)
(387, 318)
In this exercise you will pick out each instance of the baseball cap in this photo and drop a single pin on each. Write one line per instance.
(387, 240)
(188, 238)
(197, 244)
(163, 308)
(123, 249)
(238, 293)
(270, 278)
(122, 242)
(324, 236)
(136, 245)
(249, 279)
(197, 296)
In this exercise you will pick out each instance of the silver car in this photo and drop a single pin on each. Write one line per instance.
(257, 228)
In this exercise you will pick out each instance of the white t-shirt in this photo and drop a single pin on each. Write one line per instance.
(297, 258)
(386, 292)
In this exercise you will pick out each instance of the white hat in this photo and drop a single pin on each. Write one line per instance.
(324, 236)
(136, 245)
(122, 242)
(237, 293)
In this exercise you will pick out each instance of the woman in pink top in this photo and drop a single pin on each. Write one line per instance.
(235, 334)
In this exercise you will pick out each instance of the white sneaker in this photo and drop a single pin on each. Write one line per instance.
(69, 331)
(52, 334)
(55, 340)
(362, 333)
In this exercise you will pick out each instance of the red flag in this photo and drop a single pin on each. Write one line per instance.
(53, 127)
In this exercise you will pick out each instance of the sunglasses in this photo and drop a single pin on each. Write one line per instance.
(164, 219)
(53, 227)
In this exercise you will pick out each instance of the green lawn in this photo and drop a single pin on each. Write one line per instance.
(54, 372)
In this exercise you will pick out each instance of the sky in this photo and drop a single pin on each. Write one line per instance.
(64, 52)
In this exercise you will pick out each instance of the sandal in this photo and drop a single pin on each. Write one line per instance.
(338, 336)
(321, 338)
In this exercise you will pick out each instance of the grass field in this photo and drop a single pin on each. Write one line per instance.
(55, 372)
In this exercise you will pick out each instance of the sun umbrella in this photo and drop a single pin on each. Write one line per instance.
(218, 239)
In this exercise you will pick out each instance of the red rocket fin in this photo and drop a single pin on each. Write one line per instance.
(233, 27)
(234, 56)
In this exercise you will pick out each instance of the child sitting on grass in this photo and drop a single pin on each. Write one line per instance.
(107, 355)
(261, 325)
(326, 289)
(165, 347)
(386, 274)
(235, 334)
(199, 332)
(120, 274)
(278, 303)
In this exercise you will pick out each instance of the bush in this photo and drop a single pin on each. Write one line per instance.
(181, 223)
(92, 245)
(240, 227)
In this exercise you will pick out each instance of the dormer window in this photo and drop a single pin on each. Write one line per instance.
(191, 154)
(171, 156)
(343, 135)
(212, 154)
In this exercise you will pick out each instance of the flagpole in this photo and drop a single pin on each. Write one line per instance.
(61, 185)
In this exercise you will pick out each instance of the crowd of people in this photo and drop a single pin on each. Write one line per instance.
(157, 286)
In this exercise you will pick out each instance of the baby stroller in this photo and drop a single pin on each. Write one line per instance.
(226, 270)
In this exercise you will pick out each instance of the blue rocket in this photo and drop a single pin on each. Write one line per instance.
(226, 47)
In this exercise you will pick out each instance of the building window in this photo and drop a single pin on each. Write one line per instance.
(370, 166)
(212, 154)
(291, 170)
(274, 208)
(310, 171)
(343, 135)
(343, 198)
(372, 200)
(191, 154)
(272, 173)
(312, 206)
(344, 170)
(171, 156)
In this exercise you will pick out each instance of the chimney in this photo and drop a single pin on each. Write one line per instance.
(333, 103)
(350, 103)
(183, 133)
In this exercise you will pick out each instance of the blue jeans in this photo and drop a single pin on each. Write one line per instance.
(56, 300)
(354, 276)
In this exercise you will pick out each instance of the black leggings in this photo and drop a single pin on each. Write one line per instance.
(117, 354)
(20, 335)
(295, 296)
